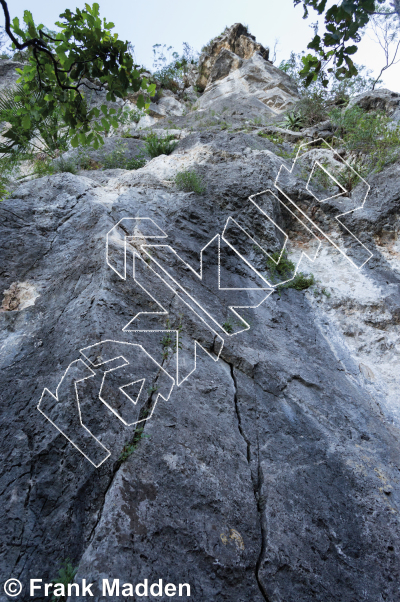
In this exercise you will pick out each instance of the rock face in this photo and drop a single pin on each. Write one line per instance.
(236, 40)
(269, 465)
(248, 83)
(234, 70)
(381, 100)
(8, 74)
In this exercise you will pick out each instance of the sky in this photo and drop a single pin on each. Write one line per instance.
(173, 22)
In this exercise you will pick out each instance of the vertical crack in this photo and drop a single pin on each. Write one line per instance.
(136, 437)
(257, 481)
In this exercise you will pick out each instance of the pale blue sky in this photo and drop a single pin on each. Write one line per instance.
(176, 21)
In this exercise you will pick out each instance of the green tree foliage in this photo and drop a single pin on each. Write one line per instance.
(318, 100)
(46, 135)
(344, 22)
(172, 69)
(83, 56)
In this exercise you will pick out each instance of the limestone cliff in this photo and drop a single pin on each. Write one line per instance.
(253, 455)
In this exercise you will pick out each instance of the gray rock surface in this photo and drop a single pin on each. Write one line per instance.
(254, 81)
(8, 74)
(271, 473)
(381, 100)
(171, 106)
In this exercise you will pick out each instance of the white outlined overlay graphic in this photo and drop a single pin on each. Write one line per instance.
(127, 368)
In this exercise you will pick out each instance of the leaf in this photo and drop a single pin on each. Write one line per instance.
(26, 122)
(28, 17)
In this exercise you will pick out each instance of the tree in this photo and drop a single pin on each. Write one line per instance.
(344, 23)
(83, 55)
(386, 33)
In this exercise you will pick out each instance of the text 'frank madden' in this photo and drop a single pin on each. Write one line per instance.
(109, 587)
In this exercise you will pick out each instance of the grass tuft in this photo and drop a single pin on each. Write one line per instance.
(190, 181)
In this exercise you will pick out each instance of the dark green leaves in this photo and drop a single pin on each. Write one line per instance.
(343, 22)
(84, 52)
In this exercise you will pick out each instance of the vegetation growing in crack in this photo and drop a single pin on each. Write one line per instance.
(129, 448)
(275, 137)
(321, 291)
(280, 268)
(160, 145)
(172, 340)
(228, 326)
(66, 574)
(300, 282)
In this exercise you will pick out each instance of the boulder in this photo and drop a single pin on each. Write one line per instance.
(236, 39)
(171, 106)
(190, 94)
(155, 110)
(383, 100)
(147, 121)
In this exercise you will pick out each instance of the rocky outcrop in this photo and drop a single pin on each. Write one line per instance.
(248, 83)
(381, 100)
(234, 71)
(236, 40)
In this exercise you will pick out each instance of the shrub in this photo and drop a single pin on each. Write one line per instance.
(317, 101)
(136, 162)
(368, 134)
(3, 188)
(281, 268)
(117, 158)
(294, 121)
(276, 138)
(338, 91)
(131, 115)
(86, 163)
(284, 270)
(300, 282)
(189, 181)
(172, 70)
(43, 167)
(314, 107)
(62, 165)
(156, 145)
